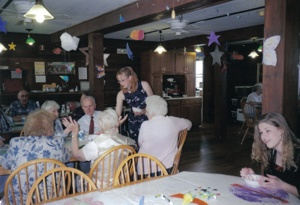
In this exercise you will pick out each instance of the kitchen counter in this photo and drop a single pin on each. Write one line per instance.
(186, 107)
(182, 98)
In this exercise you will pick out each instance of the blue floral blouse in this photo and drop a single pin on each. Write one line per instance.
(24, 149)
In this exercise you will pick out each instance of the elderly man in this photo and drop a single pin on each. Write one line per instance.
(86, 122)
(22, 106)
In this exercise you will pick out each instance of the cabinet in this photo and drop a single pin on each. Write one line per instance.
(189, 108)
(185, 62)
(154, 66)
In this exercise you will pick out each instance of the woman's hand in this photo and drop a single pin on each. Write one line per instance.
(270, 182)
(71, 125)
(122, 120)
(246, 171)
(142, 112)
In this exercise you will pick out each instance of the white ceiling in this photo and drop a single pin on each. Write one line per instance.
(68, 13)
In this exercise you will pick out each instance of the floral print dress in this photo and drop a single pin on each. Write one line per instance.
(136, 99)
(24, 149)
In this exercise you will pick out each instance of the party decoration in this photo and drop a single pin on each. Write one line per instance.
(65, 78)
(3, 25)
(194, 201)
(187, 198)
(105, 56)
(57, 51)
(18, 70)
(213, 38)
(83, 50)
(137, 35)
(121, 19)
(269, 53)
(101, 71)
(129, 53)
(12, 46)
(216, 56)
(68, 42)
(142, 200)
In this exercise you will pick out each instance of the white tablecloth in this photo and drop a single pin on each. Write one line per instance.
(212, 189)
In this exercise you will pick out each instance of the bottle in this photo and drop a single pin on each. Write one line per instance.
(63, 109)
(68, 109)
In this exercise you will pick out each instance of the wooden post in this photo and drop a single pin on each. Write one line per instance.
(280, 82)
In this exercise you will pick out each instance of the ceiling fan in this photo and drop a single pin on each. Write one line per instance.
(181, 25)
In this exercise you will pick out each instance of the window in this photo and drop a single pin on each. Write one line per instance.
(199, 74)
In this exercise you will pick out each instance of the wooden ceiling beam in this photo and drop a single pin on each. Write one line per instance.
(142, 12)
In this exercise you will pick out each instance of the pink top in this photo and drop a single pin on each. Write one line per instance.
(158, 137)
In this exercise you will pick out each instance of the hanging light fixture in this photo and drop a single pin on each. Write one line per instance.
(38, 12)
(197, 49)
(253, 54)
(173, 15)
(259, 49)
(30, 41)
(160, 49)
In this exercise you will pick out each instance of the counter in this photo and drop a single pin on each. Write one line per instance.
(186, 107)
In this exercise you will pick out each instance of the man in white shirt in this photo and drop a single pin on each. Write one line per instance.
(254, 100)
(89, 106)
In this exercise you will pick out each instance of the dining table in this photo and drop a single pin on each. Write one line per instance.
(182, 189)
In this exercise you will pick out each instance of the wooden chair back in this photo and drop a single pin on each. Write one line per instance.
(250, 115)
(137, 168)
(180, 142)
(104, 168)
(242, 104)
(55, 184)
(20, 180)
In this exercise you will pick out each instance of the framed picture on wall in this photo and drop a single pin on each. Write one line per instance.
(61, 68)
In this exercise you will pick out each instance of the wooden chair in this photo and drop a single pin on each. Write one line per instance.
(104, 168)
(180, 142)
(242, 103)
(55, 184)
(137, 168)
(17, 186)
(250, 114)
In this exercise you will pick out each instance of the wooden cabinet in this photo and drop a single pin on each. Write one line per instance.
(154, 66)
(162, 63)
(190, 84)
(185, 62)
(189, 108)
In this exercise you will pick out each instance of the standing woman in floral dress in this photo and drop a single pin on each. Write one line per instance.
(134, 92)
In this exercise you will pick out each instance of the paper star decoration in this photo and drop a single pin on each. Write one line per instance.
(3, 25)
(213, 38)
(12, 46)
(216, 56)
(83, 50)
(129, 52)
(105, 56)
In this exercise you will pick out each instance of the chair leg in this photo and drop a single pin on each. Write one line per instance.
(245, 135)
(242, 127)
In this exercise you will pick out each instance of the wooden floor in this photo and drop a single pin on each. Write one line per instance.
(203, 152)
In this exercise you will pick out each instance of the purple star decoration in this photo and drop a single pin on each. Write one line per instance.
(3, 25)
(213, 38)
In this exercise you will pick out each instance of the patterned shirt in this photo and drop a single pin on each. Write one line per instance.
(16, 108)
(24, 149)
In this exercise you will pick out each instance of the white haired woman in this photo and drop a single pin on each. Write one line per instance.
(108, 139)
(52, 107)
(158, 136)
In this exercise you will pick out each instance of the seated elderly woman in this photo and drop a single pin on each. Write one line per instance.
(52, 107)
(109, 138)
(158, 136)
(39, 142)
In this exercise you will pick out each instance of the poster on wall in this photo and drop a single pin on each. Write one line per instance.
(39, 68)
(61, 68)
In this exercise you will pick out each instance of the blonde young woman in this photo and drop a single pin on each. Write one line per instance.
(278, 150)
(134, 92)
